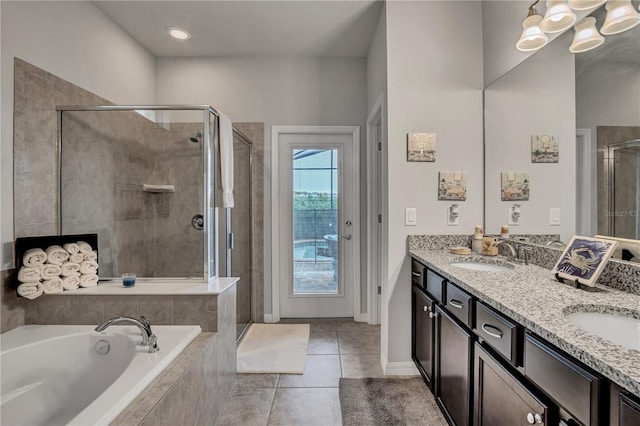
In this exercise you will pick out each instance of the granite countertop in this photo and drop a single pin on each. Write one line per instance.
(531, 296)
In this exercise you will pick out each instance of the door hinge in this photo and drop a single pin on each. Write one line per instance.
(379, 218)
(379, 146)
(379, 289)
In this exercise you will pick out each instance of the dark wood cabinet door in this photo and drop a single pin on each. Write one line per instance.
(500, 399)
(453, 370)
(625, 409)
(423, 334)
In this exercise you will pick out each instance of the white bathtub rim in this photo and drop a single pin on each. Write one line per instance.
(126, 388)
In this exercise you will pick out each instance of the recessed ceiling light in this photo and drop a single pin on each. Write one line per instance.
(179, 33)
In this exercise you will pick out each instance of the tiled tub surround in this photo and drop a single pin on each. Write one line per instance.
(531, 296)
(194, 387)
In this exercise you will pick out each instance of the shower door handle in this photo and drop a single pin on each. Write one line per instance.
(347, 237)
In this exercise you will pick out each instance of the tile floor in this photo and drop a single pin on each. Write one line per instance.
(337, 348)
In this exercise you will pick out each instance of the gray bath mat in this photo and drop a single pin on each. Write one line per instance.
(388, 401)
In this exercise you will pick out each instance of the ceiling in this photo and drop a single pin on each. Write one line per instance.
(248, 27)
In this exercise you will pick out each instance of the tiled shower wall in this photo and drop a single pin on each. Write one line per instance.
(626, 191)
(107, 157)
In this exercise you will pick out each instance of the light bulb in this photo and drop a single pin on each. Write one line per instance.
(621, 16)
(179, 33)
(558, 17)
(586, 37)
(532, 38)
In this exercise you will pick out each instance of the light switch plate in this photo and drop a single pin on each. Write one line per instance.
(410, 218)
(554, 216)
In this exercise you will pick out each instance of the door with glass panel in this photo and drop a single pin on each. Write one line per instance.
(317, 229)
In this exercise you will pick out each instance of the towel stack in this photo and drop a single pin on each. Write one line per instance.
(57, 268)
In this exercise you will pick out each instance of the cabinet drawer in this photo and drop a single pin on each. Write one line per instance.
(459, 303)
(625, 409)
(418, 272)
(573, 387)
(435, 286)
(499, 332)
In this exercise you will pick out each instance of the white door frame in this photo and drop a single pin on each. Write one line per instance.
(276, 131)
(375, 267)
(584, 198)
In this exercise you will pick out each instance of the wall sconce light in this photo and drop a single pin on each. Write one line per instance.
(453, 216)
(558, 17)
(621, 16)
(532, 38)
(514, 215)
(586, 37)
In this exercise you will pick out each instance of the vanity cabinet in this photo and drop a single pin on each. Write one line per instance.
(423, 334)
(454, 344)
(501, 398)
(486, 369)
(624, 408)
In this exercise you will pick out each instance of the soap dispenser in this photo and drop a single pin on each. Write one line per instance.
(476, 241)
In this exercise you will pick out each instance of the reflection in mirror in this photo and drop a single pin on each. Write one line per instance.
(135, 178)
(537, 97)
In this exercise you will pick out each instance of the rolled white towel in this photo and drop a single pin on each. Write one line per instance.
(56, 255)
(34, 257)
(28, 274)
(71, 282)
(30, 290)
(70, 269)
(84, 247)
(76, 258)
(90, 280)
(49, 272)
(89, 267)
(53, 285)
(72, 248)
(91, 256)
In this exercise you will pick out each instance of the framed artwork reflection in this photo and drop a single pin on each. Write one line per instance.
(421, 147)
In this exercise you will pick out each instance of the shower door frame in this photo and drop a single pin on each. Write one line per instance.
(210, 138)
(610, 178)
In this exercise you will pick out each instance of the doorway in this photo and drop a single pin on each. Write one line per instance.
(316, 238)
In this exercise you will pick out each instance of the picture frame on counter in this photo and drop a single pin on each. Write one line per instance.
(584, 259)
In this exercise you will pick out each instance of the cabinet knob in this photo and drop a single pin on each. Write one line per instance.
(531, 419)
(425, 308)
(538, 418)
(433, 315)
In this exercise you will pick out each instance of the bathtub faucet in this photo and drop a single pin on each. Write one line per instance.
(148, 338)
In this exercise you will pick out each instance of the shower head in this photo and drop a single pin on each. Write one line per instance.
(196, 138)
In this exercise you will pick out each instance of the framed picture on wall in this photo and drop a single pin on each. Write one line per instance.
(544, 149)
(514, 186)
(421, 147)
(452, 186)
(584, 259)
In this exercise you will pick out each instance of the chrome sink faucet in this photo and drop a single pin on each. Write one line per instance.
(148, 338)
(508, 244)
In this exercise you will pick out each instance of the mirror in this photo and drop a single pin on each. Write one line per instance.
(582, 111)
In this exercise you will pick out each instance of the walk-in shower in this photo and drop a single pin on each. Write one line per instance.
(130, 174)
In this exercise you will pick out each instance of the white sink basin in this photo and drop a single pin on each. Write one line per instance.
(481, 266)
(621, 330)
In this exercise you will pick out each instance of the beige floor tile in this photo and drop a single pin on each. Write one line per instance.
(321, 371)
(256, 380)
(366, 341)
(306, 406)
(361, 366)
(323, 343)
(246, 407)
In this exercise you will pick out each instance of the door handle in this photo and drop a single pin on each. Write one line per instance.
(456, 303)
(348, 237)
(492, 331)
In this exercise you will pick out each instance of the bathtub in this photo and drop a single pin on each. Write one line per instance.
(54, 375)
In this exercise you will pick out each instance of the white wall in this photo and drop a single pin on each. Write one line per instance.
(276, 91)
(537, 97)
(78, 43)
(435, 85)
(377, 62)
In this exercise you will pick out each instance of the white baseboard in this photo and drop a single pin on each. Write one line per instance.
(400, 369)
(268, 318)
(361, 317)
